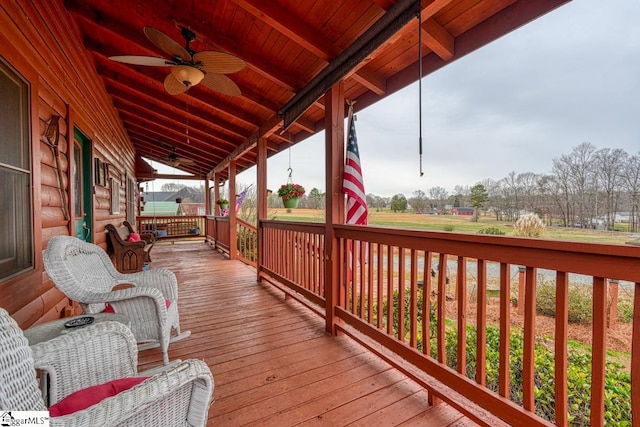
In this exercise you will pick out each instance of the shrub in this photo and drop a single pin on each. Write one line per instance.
(492, 230)
(580, 301)
(529, 225)
(448, 227)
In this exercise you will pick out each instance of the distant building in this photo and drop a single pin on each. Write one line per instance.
(462, 211)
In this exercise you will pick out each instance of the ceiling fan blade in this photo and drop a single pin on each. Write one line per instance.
(174, 86)
(166, 44)
(142, 60)
(221, 83)
(185, 161)
(219, 62)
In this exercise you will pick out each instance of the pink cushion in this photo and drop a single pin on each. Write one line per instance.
(82, 399)
(108, 308)
(133, 237)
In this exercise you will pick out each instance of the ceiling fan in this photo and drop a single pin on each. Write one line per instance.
(188, 67)
(175, 161)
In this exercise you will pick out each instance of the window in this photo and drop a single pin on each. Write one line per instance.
(16, 243)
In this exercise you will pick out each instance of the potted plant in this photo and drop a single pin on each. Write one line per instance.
(291, 194)
(223, 203)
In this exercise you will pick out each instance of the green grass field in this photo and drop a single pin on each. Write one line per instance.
(457, 224)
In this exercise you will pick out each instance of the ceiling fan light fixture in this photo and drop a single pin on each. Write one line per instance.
(188, 75)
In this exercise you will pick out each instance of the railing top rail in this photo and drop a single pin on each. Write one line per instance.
(313, 227)
(245, 224)
(595, 259)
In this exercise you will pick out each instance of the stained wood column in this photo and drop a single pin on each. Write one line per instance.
(233, 245)
(207, 197)
(261, 178)
(216, 192)
(334, 167)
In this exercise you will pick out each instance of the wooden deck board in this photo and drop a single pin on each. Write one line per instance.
(273, 362)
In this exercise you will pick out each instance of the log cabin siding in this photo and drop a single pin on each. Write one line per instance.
(41, 42)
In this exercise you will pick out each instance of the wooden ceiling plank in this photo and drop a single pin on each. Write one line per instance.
(294, 27)
(192, 145)
(196, 116)
(195, 129)
(159, 96)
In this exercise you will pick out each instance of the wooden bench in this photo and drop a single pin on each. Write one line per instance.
(128, 257)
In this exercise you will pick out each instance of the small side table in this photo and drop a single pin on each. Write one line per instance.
(50, 330)
(55, 328)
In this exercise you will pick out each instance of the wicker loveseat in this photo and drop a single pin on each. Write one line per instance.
(128, 255)
(99, 356)
(84, 273)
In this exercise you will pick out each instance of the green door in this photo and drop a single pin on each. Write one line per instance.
(81, 186)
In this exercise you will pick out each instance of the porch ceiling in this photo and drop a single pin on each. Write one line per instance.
(285, 44)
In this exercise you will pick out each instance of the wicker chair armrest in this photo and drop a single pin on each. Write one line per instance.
(90, 355)
(191, 378)
(159, 278)
(132, 302)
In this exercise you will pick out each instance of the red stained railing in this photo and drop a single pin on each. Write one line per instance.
(172, 227)
(293, 254)
(430, 279)
(217, 232)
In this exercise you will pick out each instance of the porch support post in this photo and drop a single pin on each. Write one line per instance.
(261, 171)
(207, 197)
(334, 158)
(216, 192)
(232, 210)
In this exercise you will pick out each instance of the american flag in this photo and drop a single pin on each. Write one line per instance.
(352, 183)
(239, 199)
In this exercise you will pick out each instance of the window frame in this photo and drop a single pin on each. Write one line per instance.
(27, 170)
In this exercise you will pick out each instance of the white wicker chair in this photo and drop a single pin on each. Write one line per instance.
(179, 396)
(84, 273)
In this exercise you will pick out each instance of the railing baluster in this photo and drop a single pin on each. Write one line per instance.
(561, 337)
(461, 293)
(380, 267)
(401, 291)
(390, 256)
(370, 249)
(426, 304)
(362, 275)
(413, 309)
(442, 301)
(598, 351)
(528, 357)
(505, 330)
(635, 357)
(481, 325)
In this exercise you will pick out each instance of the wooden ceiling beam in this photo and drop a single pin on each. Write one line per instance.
(295, 29)
(167, 18)
(158, 96)
(195, 128)
(389, 24)
(436, 38)
(195, 116)
(118, 40)
(153, 76)
(189, 144)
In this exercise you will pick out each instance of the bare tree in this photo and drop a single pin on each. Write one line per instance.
(609, 166)
(631, 184)
(439, 196)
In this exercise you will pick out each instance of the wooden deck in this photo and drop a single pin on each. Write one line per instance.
(272, 361)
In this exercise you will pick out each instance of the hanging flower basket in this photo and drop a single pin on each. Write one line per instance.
(291, 194)
(223, 203)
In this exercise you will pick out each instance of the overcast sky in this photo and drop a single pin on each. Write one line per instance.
(571, 76)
